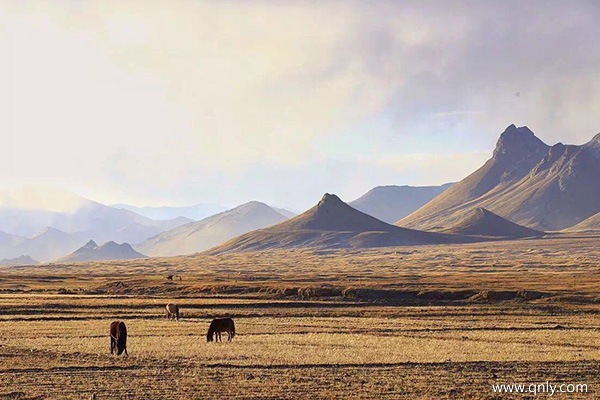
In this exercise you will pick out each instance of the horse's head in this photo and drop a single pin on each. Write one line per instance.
(209, 336)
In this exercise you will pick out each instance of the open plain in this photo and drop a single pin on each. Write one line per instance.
(443, 321)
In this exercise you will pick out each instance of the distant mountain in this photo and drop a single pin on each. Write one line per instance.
(24, 212)
(18, 261)
(108, 251)
(481, 222)
(8, 241)
(209, 232)
(286, 213)
(392, 203)
(527, 182)
(332, 224)
(195, 212)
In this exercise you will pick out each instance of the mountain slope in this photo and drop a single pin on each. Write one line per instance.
(8, 241)
(590, 224)
(332, 224)
(481, 222)
(391, 203)
(525, 181)
(108, 251)
(198, 236)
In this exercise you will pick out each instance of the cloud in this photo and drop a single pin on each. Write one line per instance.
(159, 102)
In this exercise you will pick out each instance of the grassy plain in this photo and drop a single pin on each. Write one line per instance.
(418, 322)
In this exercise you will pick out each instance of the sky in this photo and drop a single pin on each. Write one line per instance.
(178, 102)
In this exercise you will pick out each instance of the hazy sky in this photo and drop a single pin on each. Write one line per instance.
(176, 102)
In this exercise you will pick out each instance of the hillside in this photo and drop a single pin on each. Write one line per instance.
(527, 182)
(590, 224)
(391, 203)
(209, 232)
(332, 224)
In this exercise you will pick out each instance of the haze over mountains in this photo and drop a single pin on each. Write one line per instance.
(332, 224)
(47, 223)
(209, 232)
(392, 203)
(527, 182)
(195, 212)
(27, 212)
(525, 189)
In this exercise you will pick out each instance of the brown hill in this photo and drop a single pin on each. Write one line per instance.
(481, 222)
(525, 181)
(333, 224)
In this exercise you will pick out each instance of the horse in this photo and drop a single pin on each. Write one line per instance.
(219, 325)
(172, 311)
(118, 338)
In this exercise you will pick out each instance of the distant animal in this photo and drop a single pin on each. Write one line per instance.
(172, 311)
(118, 338)
(169, 277)
(219, 325)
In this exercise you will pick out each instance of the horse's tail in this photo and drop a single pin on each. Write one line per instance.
(177, 312)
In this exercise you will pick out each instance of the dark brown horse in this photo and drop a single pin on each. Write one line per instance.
(219, 325)
(118, 338)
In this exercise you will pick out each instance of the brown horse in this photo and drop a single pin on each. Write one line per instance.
(219, 325)
(172, 311)
(118, 338)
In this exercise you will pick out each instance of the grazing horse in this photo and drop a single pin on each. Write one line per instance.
(219, 325)
(118, 338)
(172, 311)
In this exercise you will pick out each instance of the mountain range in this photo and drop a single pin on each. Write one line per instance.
(333, 224)
(547, 188)
(526, 188)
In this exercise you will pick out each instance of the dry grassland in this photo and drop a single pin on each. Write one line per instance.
(420, 322)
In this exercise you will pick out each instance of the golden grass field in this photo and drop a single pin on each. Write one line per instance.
(421, 322)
